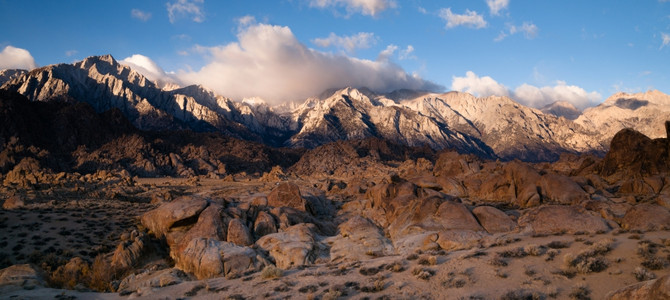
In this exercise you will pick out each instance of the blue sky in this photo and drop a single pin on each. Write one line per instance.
(534, 51)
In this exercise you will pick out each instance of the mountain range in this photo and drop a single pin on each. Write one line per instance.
(491, 127)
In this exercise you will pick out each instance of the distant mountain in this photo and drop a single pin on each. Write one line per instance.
(489, 126)
(356, 114)
(562, 109)
(509, 128)
(644, 112)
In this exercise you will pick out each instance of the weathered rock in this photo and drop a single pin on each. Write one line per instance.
(26, 276)
(358, 239)
(208, 258)
(633, 153)
(552, 219)
(458, 239)
(153, 279)
(559, 189)
(493, 219)
(656, 289)
(287, 194)
(646, 217)
(238, 233)
(13, 202)
(524, 180)
(183, 211)
(129, 252)
(211, 224)
(265, 224)
(296, 246)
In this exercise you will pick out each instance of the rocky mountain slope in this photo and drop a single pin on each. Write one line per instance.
(510, 129)
(489, 127)
(644, 112)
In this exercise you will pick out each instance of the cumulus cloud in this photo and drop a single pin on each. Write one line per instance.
(495, 6)
(407, 53)
(526, 94)
(541, 96)
(140, 15)
(16, 58)
(269, 62)
(478, 86)
(528, 29)
(364, 7)
(192, 9)
(665, 39)
(361, 40)
(149, 69)
(469, 19)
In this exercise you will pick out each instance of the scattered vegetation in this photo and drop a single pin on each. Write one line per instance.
(423, 273)
(523, 294)
(580, 292)
(271, 271)
(513, 253)
(428, 261)
(498, 261)
(194, 291)
(534, 250)
(551, 254)
(642, 274)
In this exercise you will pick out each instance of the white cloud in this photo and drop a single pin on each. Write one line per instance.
(526, 94)
(407, 53)
(71, 53)
(361, 40)
(665, 39)
(387, 53)
(364, 7)
(497, 5)
(16, 58)
(140, 15)
(470, 19)
(538, 97)
(478, 86)
(149, 69)
(529, 30)
(247, 20)
(269, 62)
(192, 9)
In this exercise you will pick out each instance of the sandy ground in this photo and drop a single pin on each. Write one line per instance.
(87, 227)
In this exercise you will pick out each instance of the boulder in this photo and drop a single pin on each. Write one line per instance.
(26, 276)
(296, 246)
(646, 217)
(211, 224)
(358, 239)
(129, 252)
(553, 219)
(238, 233)
(651, 289)
(559, 189)
(265, 224)
(493, 220)
(183, 211)
(208, 258)
(452, 240)
(152, 279)
(287, 194)
(13, 202)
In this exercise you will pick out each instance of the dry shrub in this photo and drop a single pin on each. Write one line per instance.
(271, 271)
(642, 274)
(522, 294)
(534, 250)
(428, 261)
(551, 254)
(580, 292)
(515, 252)
(654, 262)
(423, 273)
(558, 244)
(498, 261)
